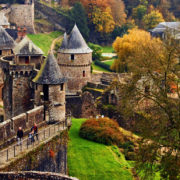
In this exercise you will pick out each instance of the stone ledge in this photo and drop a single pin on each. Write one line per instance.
(34, 175)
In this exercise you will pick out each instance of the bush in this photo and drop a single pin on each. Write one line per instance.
(102, 130)
(97, 51)
(103, 65)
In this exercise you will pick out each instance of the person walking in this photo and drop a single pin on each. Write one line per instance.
(35, 130)
(20, 136)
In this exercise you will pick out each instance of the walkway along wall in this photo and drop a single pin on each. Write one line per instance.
(9, 128)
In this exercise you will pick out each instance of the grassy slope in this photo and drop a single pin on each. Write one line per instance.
(44, 40)
(108, 49)
(92, 161)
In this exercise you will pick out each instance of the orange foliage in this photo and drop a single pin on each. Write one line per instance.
(51, 153)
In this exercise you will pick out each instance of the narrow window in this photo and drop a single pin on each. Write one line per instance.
(0, 52)
(72, 57)
(46, 92)
(147, 90)
(62, 87)
(84, 74)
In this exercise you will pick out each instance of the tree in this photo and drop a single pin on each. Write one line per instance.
(152, 19)
(103, 20)
(97, 51)
(152, 97)
(79, 16)
(118, 12)
(125, 46)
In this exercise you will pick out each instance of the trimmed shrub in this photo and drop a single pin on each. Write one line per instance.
(103, 65)
(102, 130)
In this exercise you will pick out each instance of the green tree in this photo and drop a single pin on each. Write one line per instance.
(79, 17)
(97, 51)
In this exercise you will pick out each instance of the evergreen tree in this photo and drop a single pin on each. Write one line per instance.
(79, 17)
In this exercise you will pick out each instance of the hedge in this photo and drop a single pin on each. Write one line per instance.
(103, 65)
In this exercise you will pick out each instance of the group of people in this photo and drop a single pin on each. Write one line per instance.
(33, 133)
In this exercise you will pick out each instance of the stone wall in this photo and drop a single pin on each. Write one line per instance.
(23, 16)
(9, 128)
(27, 175)
(56, 19)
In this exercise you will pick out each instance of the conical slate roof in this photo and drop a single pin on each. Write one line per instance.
(27, 48)
(6, 41)
(65, 42)
(50, 72)
(3, 20)
(75, 44)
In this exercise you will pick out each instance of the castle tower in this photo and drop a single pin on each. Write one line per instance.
(74, 59)
(51, 82)
(18, 90)
(6, 43)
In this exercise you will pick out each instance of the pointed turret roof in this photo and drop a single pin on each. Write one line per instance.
(27, 47)
(75, 43)
(64, 42)
(6, 41)
(3, 20)
(50, 72)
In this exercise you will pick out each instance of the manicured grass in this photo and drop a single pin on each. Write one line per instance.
(98, 68)
(109, 62)
(44, 40)
(88, 160)
(107, 49)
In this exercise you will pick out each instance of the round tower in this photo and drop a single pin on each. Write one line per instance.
(74, 59)
(51, 84)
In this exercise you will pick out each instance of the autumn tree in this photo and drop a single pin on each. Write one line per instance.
(152, 97)
(152, 19)
(118, 12)
(125, 46)
(103, 20)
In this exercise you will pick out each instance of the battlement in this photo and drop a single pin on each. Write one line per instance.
(7, 64)
(9, 128)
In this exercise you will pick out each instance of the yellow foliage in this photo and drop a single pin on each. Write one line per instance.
(152, 19)
(103, 20)
(133, 48)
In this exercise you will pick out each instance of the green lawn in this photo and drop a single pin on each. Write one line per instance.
(92, 161)
(107, 49)
(98, 68)
(110, 62)
(44, 40)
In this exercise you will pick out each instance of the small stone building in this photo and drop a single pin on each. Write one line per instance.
(50, 84)
(26, 52)
(6, 43)
(74, 59)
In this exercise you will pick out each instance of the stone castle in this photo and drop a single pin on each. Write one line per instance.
(31, 81)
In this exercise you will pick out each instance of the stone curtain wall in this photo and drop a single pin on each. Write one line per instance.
(9, 128)
(34, 175)
(23, 16)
